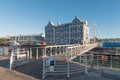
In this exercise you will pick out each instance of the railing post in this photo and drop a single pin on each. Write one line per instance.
(11, 60)
(111, 61)
(80, 58)
(37, 53)
(67, 57)
(68, 70)
(44, 55)
(43, 68)
(28, 56)
(97, 61)
(71, 53)
(86, 69)
(92, 60)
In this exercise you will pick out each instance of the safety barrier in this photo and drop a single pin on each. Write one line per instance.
(19, 57)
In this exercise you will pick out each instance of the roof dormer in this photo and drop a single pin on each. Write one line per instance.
(76, 21)
(50, 23)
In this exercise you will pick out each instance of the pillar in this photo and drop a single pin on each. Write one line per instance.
(55, 50)
(71, 56)
(50, 51)
(44, 51)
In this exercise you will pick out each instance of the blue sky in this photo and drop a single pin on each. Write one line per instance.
(31, 16)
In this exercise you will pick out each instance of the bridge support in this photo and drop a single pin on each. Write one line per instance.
(50, 51)
(55, 50)
(44, 52)
(30, 53)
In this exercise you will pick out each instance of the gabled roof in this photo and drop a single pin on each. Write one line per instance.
(76, 19)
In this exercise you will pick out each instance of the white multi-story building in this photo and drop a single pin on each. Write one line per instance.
(76, 32)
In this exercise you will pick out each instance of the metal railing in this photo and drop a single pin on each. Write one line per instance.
(62, 56)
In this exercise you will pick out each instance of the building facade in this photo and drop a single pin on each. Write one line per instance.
(29, 37)
(76, 32)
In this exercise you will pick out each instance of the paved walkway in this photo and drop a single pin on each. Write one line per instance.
(82, 76)
(6, 74)
(33, 71)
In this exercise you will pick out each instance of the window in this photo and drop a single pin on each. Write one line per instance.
(75, 29)
(78, 35)
(71, 29)
(71, 35)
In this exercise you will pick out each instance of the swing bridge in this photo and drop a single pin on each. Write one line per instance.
(62, 56)
(57, 59)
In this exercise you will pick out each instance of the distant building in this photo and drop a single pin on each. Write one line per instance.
(110, 40)
(7, 37)
(76, 32)
(29, 37)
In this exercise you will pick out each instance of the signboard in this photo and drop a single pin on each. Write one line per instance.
(49, 64)
(44, 43)
(104, 58)
(21, 56)
(48, 61)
